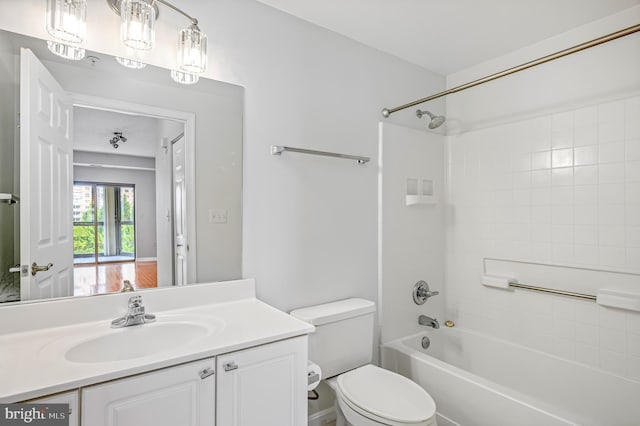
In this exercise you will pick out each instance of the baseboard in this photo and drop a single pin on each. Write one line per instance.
(322, 417)
(146, 259)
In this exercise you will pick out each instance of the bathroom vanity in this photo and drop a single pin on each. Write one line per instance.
(215, 355)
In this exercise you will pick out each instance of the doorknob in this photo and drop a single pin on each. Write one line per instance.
(35, 268)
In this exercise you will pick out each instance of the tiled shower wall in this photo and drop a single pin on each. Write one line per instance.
(563, 189)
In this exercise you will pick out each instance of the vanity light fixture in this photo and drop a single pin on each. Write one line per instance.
(66, 22)
(137, 19)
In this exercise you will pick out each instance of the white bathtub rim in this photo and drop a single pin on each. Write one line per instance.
(512, 395)
(517, 345)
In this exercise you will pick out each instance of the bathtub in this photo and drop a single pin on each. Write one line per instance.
(476, 379)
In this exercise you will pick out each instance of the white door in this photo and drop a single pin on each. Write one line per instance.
(176, 396)
(46, 179)
(181, 248)
(265, 385)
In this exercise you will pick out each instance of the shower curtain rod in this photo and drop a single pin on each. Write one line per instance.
(560, 54)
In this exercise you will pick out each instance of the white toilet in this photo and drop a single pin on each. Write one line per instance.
(366, 395)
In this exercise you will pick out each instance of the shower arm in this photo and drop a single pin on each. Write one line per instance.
(562, 53)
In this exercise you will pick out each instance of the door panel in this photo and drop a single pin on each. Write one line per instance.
(46, 120)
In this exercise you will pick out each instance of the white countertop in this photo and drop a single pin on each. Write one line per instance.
(32, 363)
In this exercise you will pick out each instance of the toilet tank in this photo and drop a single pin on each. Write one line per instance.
(343, 339)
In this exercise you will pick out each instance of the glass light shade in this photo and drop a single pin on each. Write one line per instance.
(130, 63)
(184, 77)
(137, 19)
(67, 20)
(192, 50)
(67, 51)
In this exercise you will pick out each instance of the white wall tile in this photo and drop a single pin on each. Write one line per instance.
(541, 160)
(613, 362)
(611, 173)
(586, 175)
(632, 147)
(579, 204)
(588, 354)
(562, 138)
(611, 152)
(612, 256)
(584, 136)
(613, 339)
(612, 235)
(585, 155)
(562, 177)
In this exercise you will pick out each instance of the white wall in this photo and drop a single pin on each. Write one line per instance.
(411, 237)
(546, 168)
(309, 223)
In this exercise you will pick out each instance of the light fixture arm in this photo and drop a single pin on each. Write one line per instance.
(115, 6)
(193, 20)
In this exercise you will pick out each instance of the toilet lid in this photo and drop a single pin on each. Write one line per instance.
(386, 394)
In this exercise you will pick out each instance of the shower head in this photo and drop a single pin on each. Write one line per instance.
(436, 120)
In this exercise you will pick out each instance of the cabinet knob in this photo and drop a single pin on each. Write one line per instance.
(228, 366)
(209, 371)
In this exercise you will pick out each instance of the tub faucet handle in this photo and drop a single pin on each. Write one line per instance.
(421, 292)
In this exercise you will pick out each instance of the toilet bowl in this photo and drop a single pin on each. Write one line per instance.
(366, 395)
(372, 396)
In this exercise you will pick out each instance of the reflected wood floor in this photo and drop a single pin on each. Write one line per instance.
(91, 279)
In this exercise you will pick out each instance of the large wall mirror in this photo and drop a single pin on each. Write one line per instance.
(110, 174)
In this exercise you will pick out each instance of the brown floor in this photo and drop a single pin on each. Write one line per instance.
(108, 277)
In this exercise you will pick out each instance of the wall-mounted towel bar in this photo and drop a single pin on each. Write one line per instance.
(552, 291)
(9, 198)
(279, 149)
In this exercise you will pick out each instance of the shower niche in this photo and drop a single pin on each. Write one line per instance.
(420, 191)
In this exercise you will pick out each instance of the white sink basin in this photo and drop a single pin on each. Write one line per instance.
(169, 333)
(136, 341)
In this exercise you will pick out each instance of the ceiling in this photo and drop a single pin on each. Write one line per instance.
(447, 36)
(93, 128)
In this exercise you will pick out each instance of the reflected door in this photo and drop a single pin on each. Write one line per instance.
(46, 126)
(180, 205)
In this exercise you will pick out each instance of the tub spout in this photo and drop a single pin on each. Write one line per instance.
(428, 321)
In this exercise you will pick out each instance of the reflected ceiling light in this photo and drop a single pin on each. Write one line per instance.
(117, 139)
(184, 77)
(130, 63)
(67, 20)
(67, 51)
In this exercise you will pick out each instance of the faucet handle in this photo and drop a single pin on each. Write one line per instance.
(421, 292)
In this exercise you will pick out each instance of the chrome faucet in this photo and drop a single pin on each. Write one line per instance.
(135, 314)
(428, 321)
(127, 286)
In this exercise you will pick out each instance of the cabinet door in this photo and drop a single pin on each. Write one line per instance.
(177, 396)
(265, 385)
(70, 398)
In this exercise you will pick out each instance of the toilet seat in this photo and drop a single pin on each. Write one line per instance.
(385, 397)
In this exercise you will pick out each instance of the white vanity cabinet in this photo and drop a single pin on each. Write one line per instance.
(264, 385)
(183, 395)
(70, 398)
